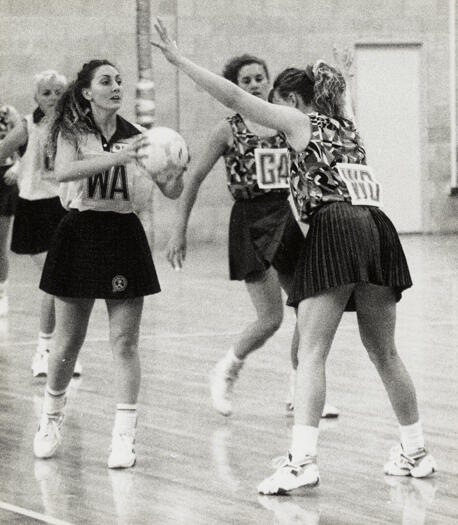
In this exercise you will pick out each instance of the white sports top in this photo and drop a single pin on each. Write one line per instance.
(37, 179)
(120, 189)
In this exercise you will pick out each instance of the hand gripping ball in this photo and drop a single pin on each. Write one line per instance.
(167, 154)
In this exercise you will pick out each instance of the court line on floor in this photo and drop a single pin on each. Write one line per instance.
(32, 514)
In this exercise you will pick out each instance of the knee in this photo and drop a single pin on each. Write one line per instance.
(312, 351)
(124, 344)
(380, 355)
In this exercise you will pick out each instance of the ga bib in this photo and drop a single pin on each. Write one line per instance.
(363, 187)
(272, 168)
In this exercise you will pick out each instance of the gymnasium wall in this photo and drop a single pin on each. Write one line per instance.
(62, 34)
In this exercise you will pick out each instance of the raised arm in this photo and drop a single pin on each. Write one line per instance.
(294, 123)
(214, 148)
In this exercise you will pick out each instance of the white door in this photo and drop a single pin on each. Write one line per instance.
(387, 103)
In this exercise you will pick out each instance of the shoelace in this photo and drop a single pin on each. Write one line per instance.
(286, 461)
(52, 424)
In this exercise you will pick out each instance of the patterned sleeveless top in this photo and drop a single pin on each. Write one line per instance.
(314, 178)
(240, 160)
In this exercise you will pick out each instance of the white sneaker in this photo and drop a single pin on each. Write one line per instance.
(40, 365)
(291, 476)
(48, 436)
(222, 379)
(122, 451)
(329, 412)
(4, 306)
(78, 369)
(418, 465)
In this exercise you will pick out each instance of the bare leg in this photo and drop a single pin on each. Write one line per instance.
(124, 318)
(5, 223)
(265, 295)
(376, 308)
(318, 319)
(286, 282)
(47, 308)
(72, 320)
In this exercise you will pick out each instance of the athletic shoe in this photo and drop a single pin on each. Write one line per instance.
(122, 451)
(291, 476)
(48, 436)
(78, 369)
(222, 379)
(329, 412)
(40, 365)
(4, 307)
(420, 464)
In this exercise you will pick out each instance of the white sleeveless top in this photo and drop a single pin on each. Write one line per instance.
(37, 180)
(121, 189)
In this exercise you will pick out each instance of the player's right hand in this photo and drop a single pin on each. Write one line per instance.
(176, 250)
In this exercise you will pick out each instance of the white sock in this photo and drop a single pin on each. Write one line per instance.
(125, 419)
(412, 437)
(45, 342)
(54, 401)
(304, 441)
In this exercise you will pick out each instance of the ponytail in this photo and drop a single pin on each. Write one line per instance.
(321, 86)
(328, 90)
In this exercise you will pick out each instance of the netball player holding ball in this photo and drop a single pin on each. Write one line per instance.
(100, 250)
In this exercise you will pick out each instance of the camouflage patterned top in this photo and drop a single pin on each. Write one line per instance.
(314, 178)
(240, 160)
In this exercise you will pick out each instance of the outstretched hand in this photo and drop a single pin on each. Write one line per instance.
(166, 45)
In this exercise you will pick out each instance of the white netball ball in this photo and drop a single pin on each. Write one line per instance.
(167, 154)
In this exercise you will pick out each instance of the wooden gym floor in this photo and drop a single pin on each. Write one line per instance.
(197, 467)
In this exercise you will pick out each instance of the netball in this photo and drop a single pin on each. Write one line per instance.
(166, 154)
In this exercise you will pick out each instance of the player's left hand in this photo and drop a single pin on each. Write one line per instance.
(166, 45)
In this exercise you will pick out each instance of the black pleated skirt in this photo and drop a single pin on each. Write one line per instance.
(349, 244)
(8, 195)
(101, 255)
(262, 232)
(35, 223)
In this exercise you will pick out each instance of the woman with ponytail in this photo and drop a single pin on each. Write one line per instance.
(99, 250)
(351, 258)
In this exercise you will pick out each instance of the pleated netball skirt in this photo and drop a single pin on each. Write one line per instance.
(262, 232)
(101, 255)
(349, 244)
(35, 223)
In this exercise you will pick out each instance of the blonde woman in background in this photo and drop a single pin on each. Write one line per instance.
(38, 209)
